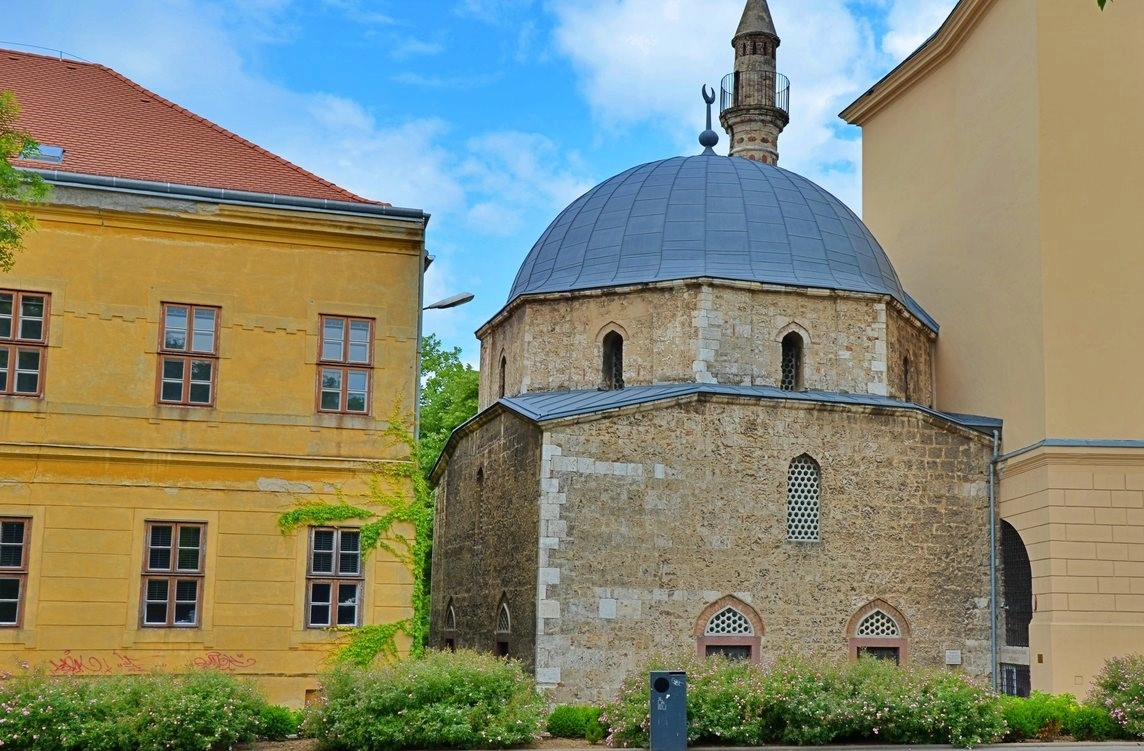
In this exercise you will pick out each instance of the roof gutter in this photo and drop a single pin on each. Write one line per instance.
(222, 195)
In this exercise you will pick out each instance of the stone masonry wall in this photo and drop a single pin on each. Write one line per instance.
(696, 332)
(486, 530)
(905, 338)
(650, 516)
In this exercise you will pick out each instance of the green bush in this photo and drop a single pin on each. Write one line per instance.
(813, 702)
(1119, 689)
(277, 723)
(1042, 716)
(193, 712)
(568, 721)
(441, 700)
(1091, 722)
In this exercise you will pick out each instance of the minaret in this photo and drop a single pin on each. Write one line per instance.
(755, 97)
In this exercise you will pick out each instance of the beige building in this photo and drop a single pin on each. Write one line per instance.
(708, 423)
(1002, 172)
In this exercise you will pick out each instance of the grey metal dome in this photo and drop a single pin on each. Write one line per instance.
(709, 216)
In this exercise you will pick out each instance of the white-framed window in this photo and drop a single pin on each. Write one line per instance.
(803, 485)
(334, 578)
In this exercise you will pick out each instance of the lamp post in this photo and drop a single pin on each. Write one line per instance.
(452, 301)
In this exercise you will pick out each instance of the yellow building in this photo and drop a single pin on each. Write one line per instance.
(198, 336)
(1002, 170)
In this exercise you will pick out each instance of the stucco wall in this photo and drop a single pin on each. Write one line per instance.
(653, 515)
(485, 537)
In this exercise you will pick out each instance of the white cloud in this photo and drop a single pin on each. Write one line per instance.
(642, 62)
(911, 22)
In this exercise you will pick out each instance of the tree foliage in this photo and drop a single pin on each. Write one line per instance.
(15, 185)
(448, 397)
(1102, 3)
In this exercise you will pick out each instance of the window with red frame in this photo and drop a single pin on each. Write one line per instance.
(188, 355)
(345, 357)
(13, 570)
(23, 342)
(173, 574)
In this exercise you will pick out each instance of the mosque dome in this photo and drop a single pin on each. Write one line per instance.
(709, 216)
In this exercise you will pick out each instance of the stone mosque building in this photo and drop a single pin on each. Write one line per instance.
(709, 421)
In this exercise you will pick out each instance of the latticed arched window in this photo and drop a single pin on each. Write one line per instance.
(878, 625)
(504, 620)
(728, 628)
(613, 365)
(791, 363)
(879, 631)
(503, 368)
(803, 482)
(450, 627)
(504, 629)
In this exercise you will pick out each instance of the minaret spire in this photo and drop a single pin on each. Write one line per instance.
(755, 96)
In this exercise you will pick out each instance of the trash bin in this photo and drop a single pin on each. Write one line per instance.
(668, 710)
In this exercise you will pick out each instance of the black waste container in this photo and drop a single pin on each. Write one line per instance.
(668, 710)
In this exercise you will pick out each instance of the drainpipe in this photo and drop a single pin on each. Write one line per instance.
(993, 651)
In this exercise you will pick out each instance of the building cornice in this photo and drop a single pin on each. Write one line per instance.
(203, 218)
(933, 52)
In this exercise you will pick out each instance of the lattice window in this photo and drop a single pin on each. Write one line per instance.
(879, 626)
(451, 619)
(791, 362)
(802, 499)
(504, 622)
(729, 622)
(613, 365)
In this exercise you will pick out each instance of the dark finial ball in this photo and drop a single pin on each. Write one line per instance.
(708, 139)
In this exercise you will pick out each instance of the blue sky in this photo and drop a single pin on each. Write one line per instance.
(492, 115)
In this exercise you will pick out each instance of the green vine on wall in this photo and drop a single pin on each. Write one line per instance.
(397, 494)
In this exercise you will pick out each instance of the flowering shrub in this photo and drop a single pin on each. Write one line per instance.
(193, 712)
(1119, 688)
(442, 700)
(813, 702)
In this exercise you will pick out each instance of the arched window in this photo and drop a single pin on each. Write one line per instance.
(1016, 586)
(504, 628)
(792, 362)
(613, 365)
(503, 368)
(907, 387)
(729, 627)
(450, 627)
(803, 482)
(880, 631)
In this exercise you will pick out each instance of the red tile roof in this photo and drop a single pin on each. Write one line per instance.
(111, 126)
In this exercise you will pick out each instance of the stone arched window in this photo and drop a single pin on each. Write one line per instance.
(501, 376)
(803, 484)
(504, 628)
(729, 627)
(907, 385)
(879, 630)
(613, 361)
(450, 627)
(791, 379)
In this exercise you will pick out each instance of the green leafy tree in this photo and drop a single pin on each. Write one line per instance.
(15, 185)
(448, 397)
(1102, 3)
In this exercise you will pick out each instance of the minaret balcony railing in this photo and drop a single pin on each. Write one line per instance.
(771, 90)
